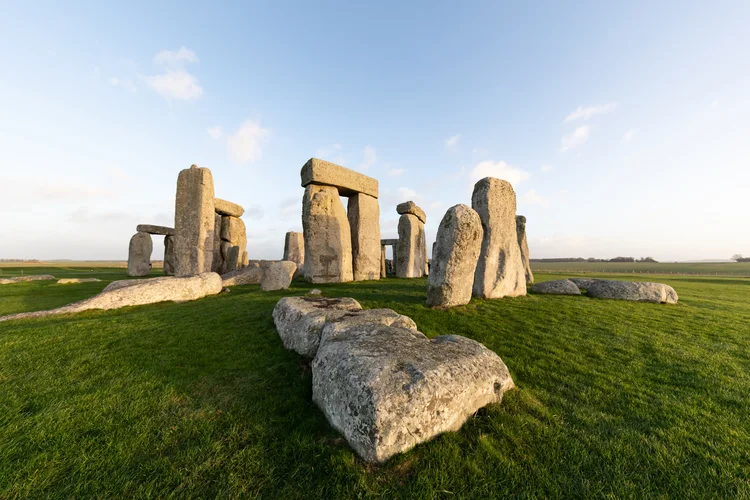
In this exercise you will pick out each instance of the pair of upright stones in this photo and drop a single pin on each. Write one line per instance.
(141, 245)
(478, 250)
(340, 245)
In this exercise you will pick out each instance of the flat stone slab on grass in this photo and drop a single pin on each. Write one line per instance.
(557, 287)
(249, 275)
(347, 181)
(584, 283)
(29, 277)
(68, 281)
(633, 291)
(151, 229)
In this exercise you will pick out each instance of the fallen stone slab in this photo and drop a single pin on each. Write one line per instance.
(29, 277)
(584, 283)
(348, 182)
(68, 281)
(228, 208)
(249, 275)
(387, 388)
(148, 291)
(409, 207)
(151, 229)
(556, 287)
(277, 275)
(633, 291)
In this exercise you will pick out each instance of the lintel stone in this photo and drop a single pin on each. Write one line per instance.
(151, 229)
(347, 181)
(225, 207)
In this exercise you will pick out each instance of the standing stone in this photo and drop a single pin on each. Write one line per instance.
(409, 207)
(454, 260)
(225, 249)
(277, 275)
(294, 250)
(218, 260)
(425, 256)
(410, 249)
(328, 240)
(194, 222)
(139, 254)
(524, 245)
(383, 272)
(364, 220)
(233, 231)
(169, 255)
(500, 269)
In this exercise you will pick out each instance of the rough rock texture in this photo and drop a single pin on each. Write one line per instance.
(248, 275)
(169, 255)
(410, 251)
(294, 250)
(139, 292)
(387, 389)
(139, 254)
(347, 182)
(635, 291)
(233, 231)
(315, 291)
(390, 268)
(500, 271)
(194, 222)
(556, 287)
(382, 262)
(224, 249)
(391, 241)
(300, 320)
(115, 285)
(524, 246)
(224, 207)
(151, 229)
(584, 283)
(32, 277)
(277, 275)
(364, 220)
(328, 240)
(217, 263)
(68, 281)
(409, 207)
(455, 254)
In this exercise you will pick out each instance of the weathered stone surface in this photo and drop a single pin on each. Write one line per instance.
(217, 263)
(348, 182)
(294, 250)
(387, 389)
(556, 287)
(634, 291)
(151, 229)
(225, 248)
(409, 207)
(194, 222)
(300, 320)
(169, 255)
(248, 275)
(500, 270)
(328, 240)
(315, 291)
(459, 240)
(139, 254)
(115, 285)
(382, 262)
(364, 221)
(224, 207)
(139, 292)
(410, 251)
(524, 246)
(277, 275)
(391, 241)
(390, 268)
(233, 260)
(32, 277)
(233, 231)
(355, 319)
(584, 283)
(69, 281)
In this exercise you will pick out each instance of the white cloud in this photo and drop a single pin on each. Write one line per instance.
(407, 194)
(114, 81)
(118, 173)
(175, 83)
(215, 132)
(546, 168)
(628, 136)
(245, 145)
(175, 58)
(452, 142)
(370, 157)
(579, 137)
(590, 111)
(500, 170)
(533, 198)
(396, 172)
(714, 103)
(331, 153)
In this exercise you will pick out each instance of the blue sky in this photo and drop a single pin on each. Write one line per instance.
(624, 127)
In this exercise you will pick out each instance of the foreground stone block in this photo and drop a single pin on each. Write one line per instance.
(634, 291)
(139, 254)
(556, 287)
(347, 182)
(364, 220)
(169, 255)
(248, 275)
(500, 271)
(194, 222)
(409, 207)
(454, 258)
(411, 248)
(294, 250)
(224, 207)
(387, 389)
(151, 229)
(524, 246)
(277, 275)
(328, 240)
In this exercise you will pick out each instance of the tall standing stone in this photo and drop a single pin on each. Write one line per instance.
(233, 231)
(139, 254)
(328, 240)
(524, 246)
(454, 258)
(499, 269)
(294, 250)
(364, 220)
(383, 270)
(218, 261)
(194, 222)
(169, 255)
(410, 249)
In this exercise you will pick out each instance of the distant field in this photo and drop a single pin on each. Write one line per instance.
(70, 264)
(703, 268)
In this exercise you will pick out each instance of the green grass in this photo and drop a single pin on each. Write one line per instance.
(200, 399)
(700, 268)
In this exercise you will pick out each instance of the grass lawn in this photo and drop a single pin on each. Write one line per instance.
(741, 269)
(200, 399)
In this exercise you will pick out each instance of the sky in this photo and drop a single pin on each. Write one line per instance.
(624, 127)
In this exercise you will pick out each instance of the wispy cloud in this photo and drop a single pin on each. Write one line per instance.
(628, 136)
(215, 132)
(577, 138)
(173, 58)
(407, 194)
(245, 145)
(590, 111)
(175, 83)
(499, 170)
(452, 142)
(533, 198)
(370, 157)
(396, 172)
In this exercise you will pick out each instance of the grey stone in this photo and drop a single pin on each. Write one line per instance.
(224, 207)
(584, 283)
(194, 222)
(500, 270)
(410, 251)
(315, 291)
(248, 275)
(524, 246)
(634, 291)
(346, 181)
(28, 277)
(277, 275)
(233, 231)
(225, 249)
(69, 281)
(169, 255)
(139, 254)
(392, 242)
(328, 241)
(294, 250)
(217, 263)
(455, 254)
(556, 287)
(364, 220)
(151, 229)
(409, 207)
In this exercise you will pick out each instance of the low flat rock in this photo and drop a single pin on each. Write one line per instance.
(347, 181)
(28, 277)
(68, 281)
(225, 207)
(388, 388)
(300, 320)
(151, 229)
(148, 291)
(584, 283)
(634, 291)
(277, 275)
(249, 275)
(409, 207)
(557, 287)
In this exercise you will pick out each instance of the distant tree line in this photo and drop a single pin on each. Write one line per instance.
(592, 259)
(739, 258)
(19, 260)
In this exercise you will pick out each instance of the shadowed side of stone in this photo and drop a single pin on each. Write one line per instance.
(557, 287)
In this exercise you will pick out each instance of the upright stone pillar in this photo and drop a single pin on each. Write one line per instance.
(364, 220)
(233, 231)
(409, 251)
(218, 261)
(139, 254)
(194, 222)
(499, 270)
(328, 239)
(169, 255)
(294, 250)
(524, 246)
(383, 272)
